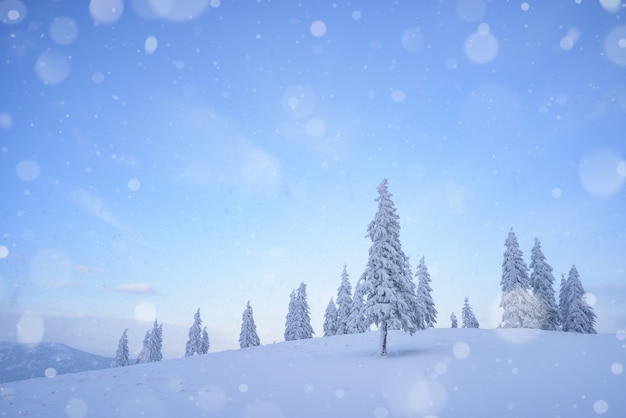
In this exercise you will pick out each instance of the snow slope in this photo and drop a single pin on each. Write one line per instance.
(437, 372)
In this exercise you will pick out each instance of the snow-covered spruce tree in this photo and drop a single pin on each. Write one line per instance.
(290, 322)
(580, 316)
(467, 316)
(204, 347)
(521, 309)
(330, 319)
(155, 344)
(121, 355)
(424, 298)
(248, 336)
(194, 343)
(453, 320)
(358, 322)
(542, 283)
(390, 292)
(344, 303)
(563, 308)
(302, 315)
(143, 356)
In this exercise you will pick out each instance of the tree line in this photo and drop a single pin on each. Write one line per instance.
(386, 296)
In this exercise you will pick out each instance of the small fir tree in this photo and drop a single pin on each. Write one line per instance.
(121, 355)
(358, 322)
(453, 320)
(344, 303)
(580, 316)
(248, 336)
(468, 317)
(204, 347)
(424, 298)
(542, 283)
(527, 311)
(194, 343)
(330, 319)
(390, 292)
(143, 356)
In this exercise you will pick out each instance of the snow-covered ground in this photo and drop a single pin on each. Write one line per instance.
(434, 373)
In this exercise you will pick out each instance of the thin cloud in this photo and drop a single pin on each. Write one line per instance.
(96, 207)
(134, 288)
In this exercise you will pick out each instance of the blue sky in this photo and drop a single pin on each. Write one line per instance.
(156, 158)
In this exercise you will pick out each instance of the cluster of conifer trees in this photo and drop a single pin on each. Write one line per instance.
(385, 295)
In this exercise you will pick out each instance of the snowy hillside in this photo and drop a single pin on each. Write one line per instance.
(438, 372)
(25, 361)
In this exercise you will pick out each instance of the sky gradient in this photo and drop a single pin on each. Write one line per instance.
(158, 158)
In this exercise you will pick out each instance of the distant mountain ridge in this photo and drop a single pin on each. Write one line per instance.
(25, 361)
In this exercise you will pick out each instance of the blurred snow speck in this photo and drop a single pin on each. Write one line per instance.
(76, 408)
(12, 12)
(461, 350)
(52, 67)
(318, 28)
(6, 120)
(615, 46)
(611, 6)
(481, 46)
(151, 44)
(471, 10)
(134, 185)
(602, 173)
(412, 39)
(600, 407)
(145, 311)
(175, 10)
(30, 328)
(97, 77)
(617, 368)
(4, 251)
(63, 30)
(27, 170)
(106, 12)
(50, 372)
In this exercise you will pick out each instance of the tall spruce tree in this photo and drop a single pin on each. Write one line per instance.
(424, 298)
(542, 283)
(344, 303)
(248, 336)
(467, 316)
(302, 315)
(563, 308)
(290, 322)
(121, 355)
(194, 343)
(155, 344)
(330, 319)
(580, 316)
(390, 292)
(521, 309)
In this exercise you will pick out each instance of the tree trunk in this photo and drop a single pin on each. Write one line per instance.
(383, 338)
